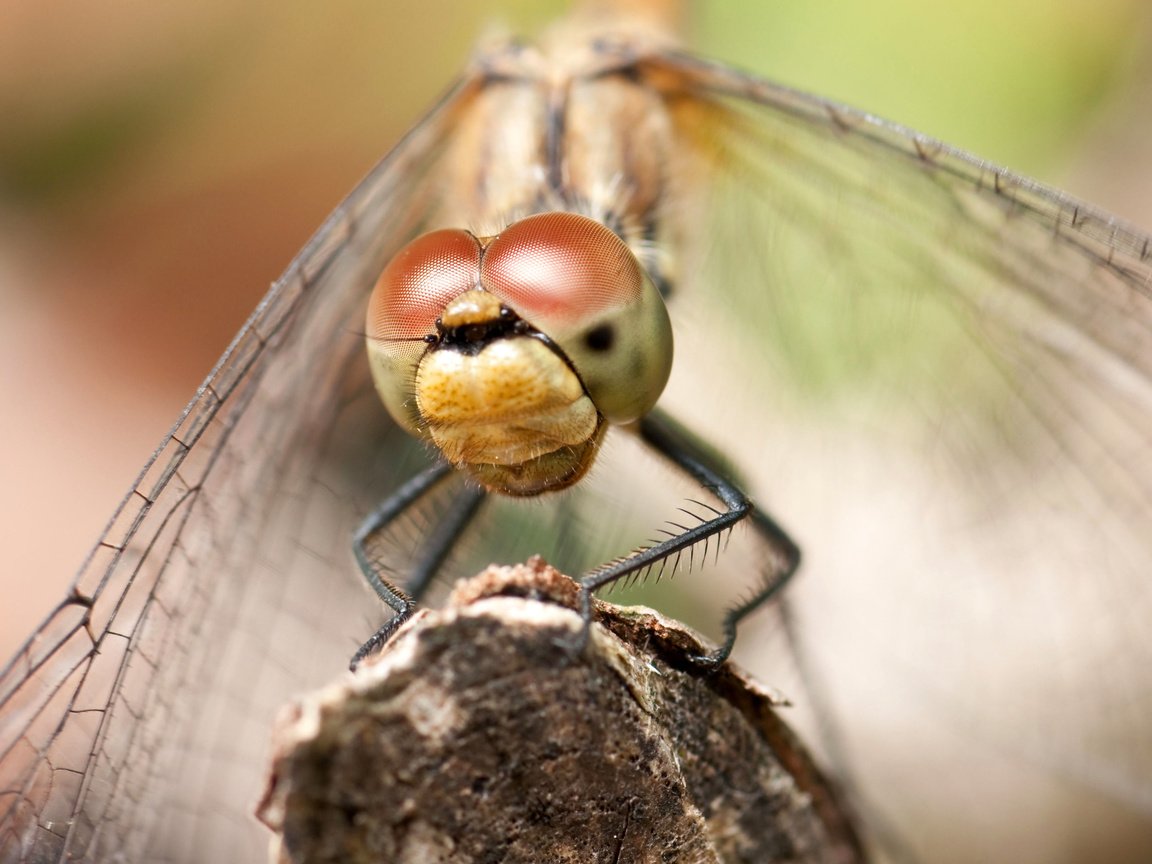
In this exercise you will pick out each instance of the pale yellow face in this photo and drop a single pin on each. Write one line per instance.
(514, 405)
(512, 353)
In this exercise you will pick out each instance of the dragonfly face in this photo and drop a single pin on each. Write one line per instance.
(527, 343)
(949, 402)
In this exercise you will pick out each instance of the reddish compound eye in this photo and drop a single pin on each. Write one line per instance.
(560, 270)
(409, 296)
(577, 281)
(418, 283)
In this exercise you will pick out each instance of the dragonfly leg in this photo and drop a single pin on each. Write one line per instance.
(437, 546)
(692, 456)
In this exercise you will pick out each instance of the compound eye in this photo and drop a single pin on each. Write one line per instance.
(419, 282)
(409, 296)
(560, 270)
(576, 281)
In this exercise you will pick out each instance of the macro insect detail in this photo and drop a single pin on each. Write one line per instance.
(936, 372)
(512, 354)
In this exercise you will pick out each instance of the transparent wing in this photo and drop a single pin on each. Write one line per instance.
(939, 376)
(935, 374)
(136, 718)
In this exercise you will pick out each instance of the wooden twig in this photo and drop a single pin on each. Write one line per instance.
(481, 735)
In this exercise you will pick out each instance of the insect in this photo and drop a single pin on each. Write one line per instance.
(946, 385)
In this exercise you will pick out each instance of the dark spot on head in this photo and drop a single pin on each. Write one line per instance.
(600, 338)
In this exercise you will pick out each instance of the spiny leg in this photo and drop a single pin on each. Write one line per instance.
(775, 576)
(692, 456)
(442, 539)
(436, 547)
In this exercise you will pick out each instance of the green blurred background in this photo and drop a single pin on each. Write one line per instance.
(160, 163)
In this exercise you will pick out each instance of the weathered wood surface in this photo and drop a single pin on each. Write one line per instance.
(480, 735)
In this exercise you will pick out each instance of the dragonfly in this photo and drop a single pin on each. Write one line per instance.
(935, 372)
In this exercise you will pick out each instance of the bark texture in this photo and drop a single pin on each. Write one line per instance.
(480, 734)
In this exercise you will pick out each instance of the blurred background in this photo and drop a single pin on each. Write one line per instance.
(161, 162)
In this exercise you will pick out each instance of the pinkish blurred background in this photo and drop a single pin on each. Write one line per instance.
(161, 162)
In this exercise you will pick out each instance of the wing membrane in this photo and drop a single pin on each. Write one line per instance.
(937, 374)
(139, 710)
(952, 409)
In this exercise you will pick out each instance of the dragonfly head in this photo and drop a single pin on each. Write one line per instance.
(511, 353)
